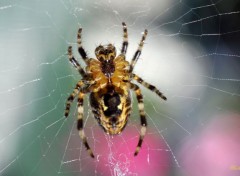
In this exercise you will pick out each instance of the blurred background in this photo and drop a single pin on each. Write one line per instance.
(191, 54)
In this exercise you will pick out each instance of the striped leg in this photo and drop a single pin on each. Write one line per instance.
(142, 116)
(72, 97)
(125, 39)
(81, 51)
(75, 63)
(80, 123)
(149, 86)
(138, 52)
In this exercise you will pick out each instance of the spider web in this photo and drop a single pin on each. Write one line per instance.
(191, 53)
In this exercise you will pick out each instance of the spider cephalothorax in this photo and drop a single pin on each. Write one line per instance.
(108, 79)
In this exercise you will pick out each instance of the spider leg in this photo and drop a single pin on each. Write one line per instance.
(72, 96)
(149, 86)
(138, 52)
(75, 63)
(81, 51)
(80, 123)
(142, 116)
(125, 39)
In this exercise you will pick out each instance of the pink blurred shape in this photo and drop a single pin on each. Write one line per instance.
(215, 151)
(116, 155)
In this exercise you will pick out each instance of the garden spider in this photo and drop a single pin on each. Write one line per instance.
(108, 79)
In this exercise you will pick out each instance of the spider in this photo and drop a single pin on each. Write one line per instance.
(108, 79)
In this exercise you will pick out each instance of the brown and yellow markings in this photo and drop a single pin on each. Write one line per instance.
(94, 69)
(125, 106)
(118, 78)
(120, 75)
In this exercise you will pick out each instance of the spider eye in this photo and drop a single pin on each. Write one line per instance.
(98, 49)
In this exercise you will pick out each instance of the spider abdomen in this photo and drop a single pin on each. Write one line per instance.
(111, 109)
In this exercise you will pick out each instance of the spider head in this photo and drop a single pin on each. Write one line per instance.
(106, 52)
